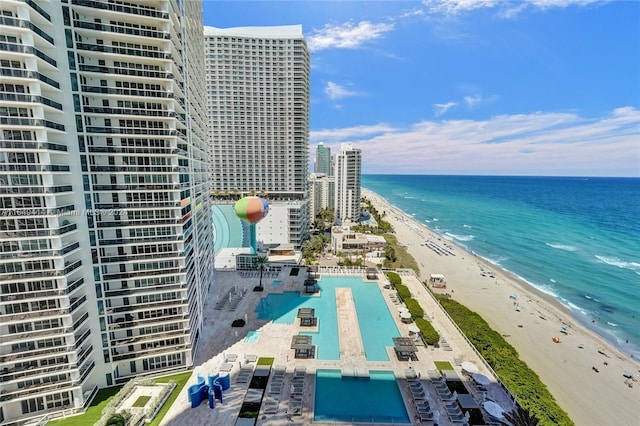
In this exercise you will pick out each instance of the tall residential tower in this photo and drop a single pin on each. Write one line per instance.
(348, 164)
(323, 160)
(258, 109)
(104, 197)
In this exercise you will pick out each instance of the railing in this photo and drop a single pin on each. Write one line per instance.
(121, 30)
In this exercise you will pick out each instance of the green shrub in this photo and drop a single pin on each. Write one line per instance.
(414, 307)
(503, 358)
(403, 292)
(394, 279)
(429, 334)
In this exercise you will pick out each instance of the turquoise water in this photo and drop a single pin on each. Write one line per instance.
(228, 229)
(374, 400)
(252, 337)
(377, 326)
(276, 283)
(575, 238)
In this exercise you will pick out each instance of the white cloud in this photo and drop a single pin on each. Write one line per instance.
(443, 108)
(346, 36)
(349, 133)
(541, 143)
(335, 91)
(472, 101)
(506, 9)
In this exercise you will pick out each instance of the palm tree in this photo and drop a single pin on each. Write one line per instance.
(260, 262)
(521, 417)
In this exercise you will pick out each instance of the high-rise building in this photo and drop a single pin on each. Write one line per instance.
(258, 106)
(323, 160)
(348, 163)
(323, 192)
(105, 229)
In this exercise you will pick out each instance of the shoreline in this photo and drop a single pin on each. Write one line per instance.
(528, 318)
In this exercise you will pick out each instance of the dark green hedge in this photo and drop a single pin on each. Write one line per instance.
(504, 359)
(414, 307)
(429, 334)
(394, 279)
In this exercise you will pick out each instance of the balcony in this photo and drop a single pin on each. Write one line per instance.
(18, 97)
(114, 7)
(33, 122)
(142, 53)
(137, 32)
(32, 145)
(132, 72)
(129, 111)
(21, 48)
(21, 23)
(147, 353)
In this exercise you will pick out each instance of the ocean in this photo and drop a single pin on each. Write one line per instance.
(577, 239)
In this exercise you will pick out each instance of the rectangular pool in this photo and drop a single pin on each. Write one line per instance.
(376, 399)
(377, 326)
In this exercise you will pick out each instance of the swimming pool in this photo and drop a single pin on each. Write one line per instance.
(377, 327)
(276, 283)
(252, 337)
(345, 399)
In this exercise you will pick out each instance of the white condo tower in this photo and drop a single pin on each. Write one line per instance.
(105, 225)
(258, 109)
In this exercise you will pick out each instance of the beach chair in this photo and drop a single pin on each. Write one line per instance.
(425, 417)
(270, 408)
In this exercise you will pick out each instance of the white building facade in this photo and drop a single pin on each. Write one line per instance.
(348, 166)
(322, 192)
(105, 222)
(258, 108)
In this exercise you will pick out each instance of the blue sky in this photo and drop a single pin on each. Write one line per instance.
(540, 87)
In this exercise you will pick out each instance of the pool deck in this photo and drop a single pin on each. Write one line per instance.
(219, 341)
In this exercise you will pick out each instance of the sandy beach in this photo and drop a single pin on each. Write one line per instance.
(529, 319)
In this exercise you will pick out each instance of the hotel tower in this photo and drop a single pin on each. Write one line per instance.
(105, 225)
(258, 105)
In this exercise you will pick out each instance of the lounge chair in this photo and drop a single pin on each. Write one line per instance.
(270, 408)
(250, 358)
(227, 366)
(425, 417)
(230, 357)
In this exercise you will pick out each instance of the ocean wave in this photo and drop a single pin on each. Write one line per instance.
(614, 261)
(577, 308)
(612, 324)
(562, 247)
(461, 237)
(466, 226)
(552, 280)
(591, 298)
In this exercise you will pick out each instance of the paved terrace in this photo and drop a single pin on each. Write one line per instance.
(219, 341)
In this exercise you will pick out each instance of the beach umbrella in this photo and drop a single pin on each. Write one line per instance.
(470, 367)
(481, 379)
(493, 409)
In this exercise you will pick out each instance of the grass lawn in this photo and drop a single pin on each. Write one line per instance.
(265, 360)
(443, 365)
(93, 413)
(141, 401)
(181, 380)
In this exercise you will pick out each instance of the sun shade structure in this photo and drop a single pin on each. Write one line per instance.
(252, 210)
(405, 348)
(307, 317)
(302, 346)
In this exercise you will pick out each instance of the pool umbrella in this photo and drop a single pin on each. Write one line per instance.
(470, 367)
(413, 329)
(493, 409)
(481, 379)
